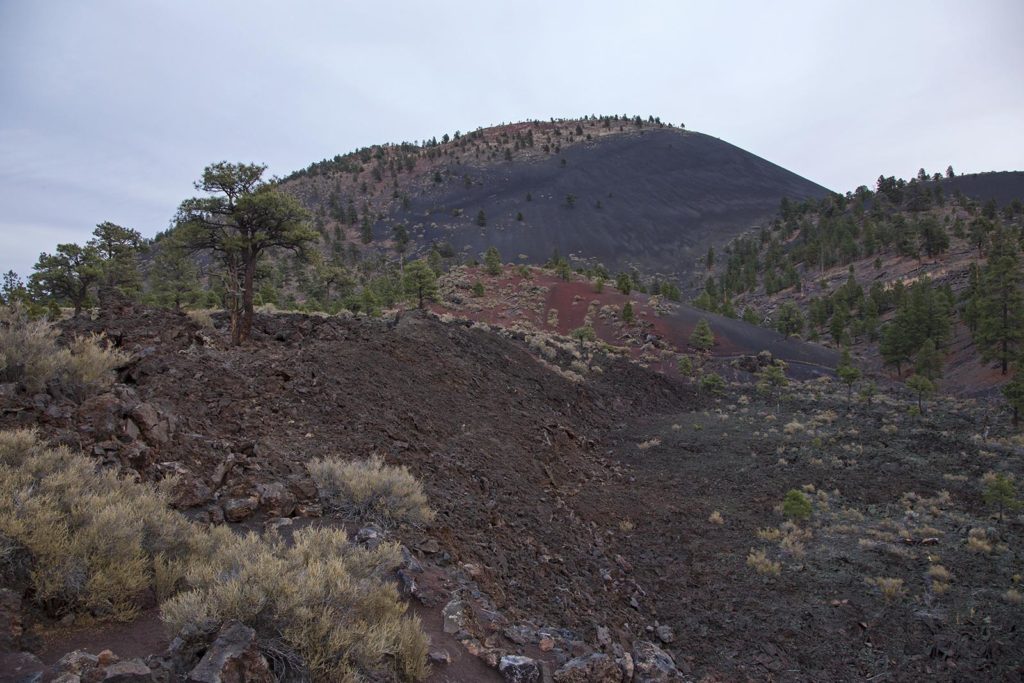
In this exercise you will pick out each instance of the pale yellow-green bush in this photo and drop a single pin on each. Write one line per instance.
(759, 561)
(891, 588)
(370, 491)
(325, 597)
(88, 365)
(31, 355)
(94, 540)
(202, 317)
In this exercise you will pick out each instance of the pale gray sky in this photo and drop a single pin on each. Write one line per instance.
(111, 108)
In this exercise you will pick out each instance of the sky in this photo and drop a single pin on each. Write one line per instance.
(110, 109)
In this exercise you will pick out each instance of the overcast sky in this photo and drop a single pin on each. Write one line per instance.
(111, 108)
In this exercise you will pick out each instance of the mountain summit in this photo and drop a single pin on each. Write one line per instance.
(625, 193)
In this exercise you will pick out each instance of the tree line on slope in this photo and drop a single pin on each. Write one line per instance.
(911, 320)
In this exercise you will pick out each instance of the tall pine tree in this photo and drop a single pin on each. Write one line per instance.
(1001, 314)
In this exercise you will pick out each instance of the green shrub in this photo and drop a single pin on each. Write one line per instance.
(627, 312)
(702, 338)
(712, 383)
(327, 599)
(796, 505)
(96, 542)
(370, 491)
(1000, 492)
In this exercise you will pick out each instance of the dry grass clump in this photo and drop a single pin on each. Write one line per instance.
(325, 597)
(758, 560)
(97, 543)
(626, 525)
(940, 578)
(793, 427)
(792, 539)
(31, 356)
(370, 491)
(650, 443)
(202, 317)
(1013, 596)
(978, 542)
(891, 588)
(716, 518)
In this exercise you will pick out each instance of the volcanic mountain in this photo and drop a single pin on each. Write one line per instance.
(625, 193)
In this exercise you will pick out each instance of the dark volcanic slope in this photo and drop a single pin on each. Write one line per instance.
(1003, 186)
(653, 199)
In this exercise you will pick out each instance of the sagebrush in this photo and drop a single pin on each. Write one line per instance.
(323, 596)
(95, 543)
(31, 356)
(370, 491)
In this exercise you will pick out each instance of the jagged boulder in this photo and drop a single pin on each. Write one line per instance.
(128, 671)
(240, 509)
(595, 668)
(519, 669)
(653, 665)
(234, 657)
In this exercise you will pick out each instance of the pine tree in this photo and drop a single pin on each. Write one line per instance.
(848, 373)
(67, 275)
(923, 387)
(1001, 319)
(420, 282)
(772, 378)
(624, 283)
(118, 249)
(928, 360)
(584, 334)
(702, 338)
(173, 278)
(970, 309)
(1013, 392)
(627, 313)
(492, 261)
(789, 320)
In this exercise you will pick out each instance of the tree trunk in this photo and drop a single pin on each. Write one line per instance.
(231, 302)
(247, 297)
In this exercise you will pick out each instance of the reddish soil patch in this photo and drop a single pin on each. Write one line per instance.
(139, 638)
